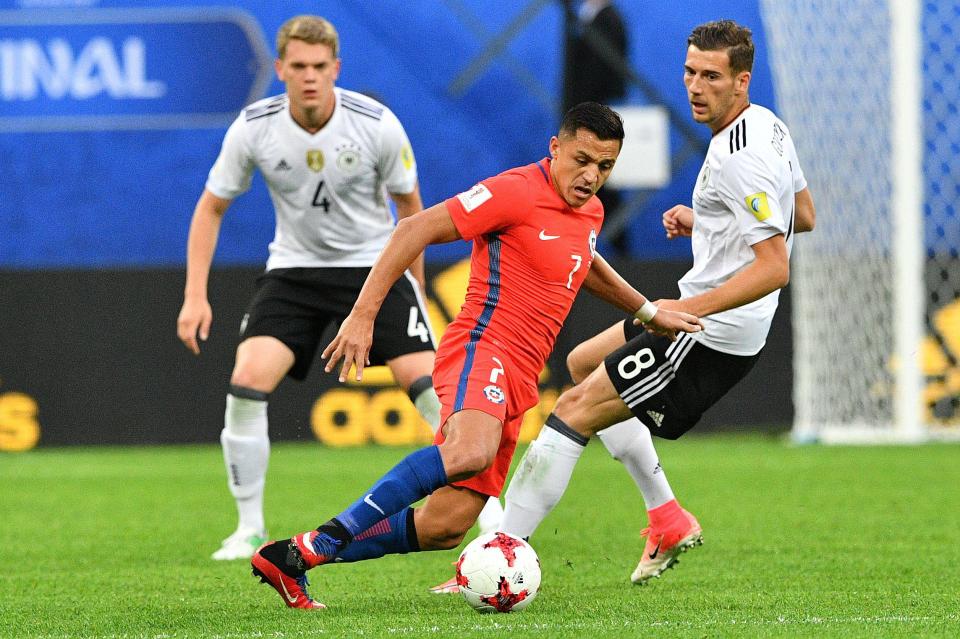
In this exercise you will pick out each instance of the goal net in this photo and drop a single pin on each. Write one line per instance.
(870, 92)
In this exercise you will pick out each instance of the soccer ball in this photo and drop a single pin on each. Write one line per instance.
(498, 572)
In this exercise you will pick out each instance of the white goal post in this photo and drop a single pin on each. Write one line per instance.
(869, 90)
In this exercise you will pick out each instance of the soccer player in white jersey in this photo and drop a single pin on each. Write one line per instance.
(749, 200)
(329, 157)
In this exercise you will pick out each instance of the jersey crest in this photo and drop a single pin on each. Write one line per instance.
(348, 158)
(494, 394)
(705, 177)
(315, 160)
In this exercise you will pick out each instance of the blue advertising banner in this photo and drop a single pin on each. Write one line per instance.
(109, 69)
(113, 111)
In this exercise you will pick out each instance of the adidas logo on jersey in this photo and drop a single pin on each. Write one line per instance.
(656, 417)
(282, 165)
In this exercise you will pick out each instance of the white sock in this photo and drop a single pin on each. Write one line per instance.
(631, 443)
(246, 451)
(491, 517)
(541, 479)
(427, 404)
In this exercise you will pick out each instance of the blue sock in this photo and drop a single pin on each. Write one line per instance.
(391, 536)
(416, 476)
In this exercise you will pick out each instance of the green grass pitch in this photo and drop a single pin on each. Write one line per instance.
(808, 541)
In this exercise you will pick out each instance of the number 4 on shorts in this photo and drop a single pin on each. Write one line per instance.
(416, 328)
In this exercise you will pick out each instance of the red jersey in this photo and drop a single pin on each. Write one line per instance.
(531, 253)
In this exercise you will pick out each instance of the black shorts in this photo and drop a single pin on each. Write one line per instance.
(297, 305)
(669, 385)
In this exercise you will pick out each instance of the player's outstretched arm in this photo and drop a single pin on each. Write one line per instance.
(196, 316)
(769, 271)
(604, 282)
(412, 235)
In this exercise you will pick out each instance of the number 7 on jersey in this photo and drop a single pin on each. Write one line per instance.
(577, 261)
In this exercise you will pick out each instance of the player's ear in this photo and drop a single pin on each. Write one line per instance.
(743, 81)
(554, 146)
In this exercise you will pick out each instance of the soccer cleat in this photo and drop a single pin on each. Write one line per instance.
(281, 565)
(316, 548)
(449, 587)
(664, 545)
(240, 545)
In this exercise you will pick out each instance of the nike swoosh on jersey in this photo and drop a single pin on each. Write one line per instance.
(544, 236)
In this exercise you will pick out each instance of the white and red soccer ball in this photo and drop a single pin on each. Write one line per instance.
(498, 572)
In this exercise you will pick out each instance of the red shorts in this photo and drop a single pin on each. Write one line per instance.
(479, 376)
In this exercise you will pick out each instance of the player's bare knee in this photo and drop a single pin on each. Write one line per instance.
(575, 407)
(578, 364)
(569, 402)
(243, 378)
(464, 462)
(246, 378)
(468, 453)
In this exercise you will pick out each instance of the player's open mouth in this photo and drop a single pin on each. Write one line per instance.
(583, 191)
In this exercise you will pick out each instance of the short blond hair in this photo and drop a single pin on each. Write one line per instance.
(310, 29)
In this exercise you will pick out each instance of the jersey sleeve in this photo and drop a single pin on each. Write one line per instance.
(493, 204)
(396, 163)
(233, 171)
(799, 179)
(747, 187)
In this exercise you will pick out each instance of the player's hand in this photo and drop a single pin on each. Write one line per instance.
(669, 321)
(352, 343)
(678, 222)
(194, 320)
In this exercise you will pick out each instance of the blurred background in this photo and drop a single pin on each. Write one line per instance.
(112, 112)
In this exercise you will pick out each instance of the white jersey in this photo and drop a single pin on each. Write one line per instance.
(745, 193)
(328, 188)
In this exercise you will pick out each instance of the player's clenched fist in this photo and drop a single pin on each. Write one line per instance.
(678, 222)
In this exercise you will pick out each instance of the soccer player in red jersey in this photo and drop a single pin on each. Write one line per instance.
(534, 232)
